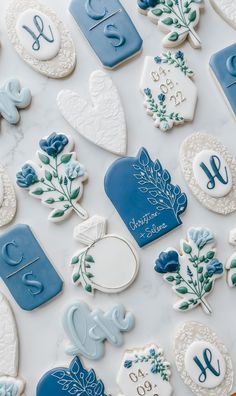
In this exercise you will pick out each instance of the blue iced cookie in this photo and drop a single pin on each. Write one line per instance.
(13, 98)
(75, 380)
(143, 195)
(26, 270)
(108, 28)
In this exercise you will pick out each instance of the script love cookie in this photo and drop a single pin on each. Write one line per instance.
(109, 263)
(193, 271)
(145, 371)
(87, 330)
(210, 171)
(102, 121)
(40, 38)
(12, 99)
(170, 95)
(108, 29)
(7, 198)
(202, 360)
(56, 178)
(176, 18)
(226, 9)
(150, 205)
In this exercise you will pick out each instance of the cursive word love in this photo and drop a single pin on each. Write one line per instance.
(207, 356)
(39, 24)
(215, 163)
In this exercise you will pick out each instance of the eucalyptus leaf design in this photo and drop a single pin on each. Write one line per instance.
(82, 272)
(231, 270)
(177, 60)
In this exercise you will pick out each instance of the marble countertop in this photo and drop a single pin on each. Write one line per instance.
(41, 334)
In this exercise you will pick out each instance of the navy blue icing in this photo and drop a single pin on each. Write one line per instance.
(143, 195)
(26, 270)
(223, 65)
(108, 28)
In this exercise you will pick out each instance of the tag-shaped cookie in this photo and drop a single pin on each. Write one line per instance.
(177, 19)
(108, 29)
(12, 99)
(7, 198)
(40, 38)
(210, 171)
(149, 204)
(145, 371)
(101, 121)
(87, 330)
(223, 68)
(226, 9)
(193, 271)
(26, 270)
(57, 177)
(109, 263)
(170, 95)
(202, 360)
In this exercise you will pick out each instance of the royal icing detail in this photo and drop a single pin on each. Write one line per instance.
(109, 263)
(75, 380)
(26, 270)
(170, 95)
(202, 360)
(210, 171)
(101, 121)
(13, 98)
(231, 262)
(87, 330)
(40, 38)
(226, 9)
(145, 371)
(7, 198)
(108, 28)
(223, 67)
(176, 18)
(193, 272)
(158, 203)
(57, 177)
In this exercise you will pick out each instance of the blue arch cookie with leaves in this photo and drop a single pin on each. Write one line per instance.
(142, 193)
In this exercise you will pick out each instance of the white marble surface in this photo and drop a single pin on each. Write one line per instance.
(41, 332)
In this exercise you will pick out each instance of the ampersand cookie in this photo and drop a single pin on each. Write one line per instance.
(7, 198)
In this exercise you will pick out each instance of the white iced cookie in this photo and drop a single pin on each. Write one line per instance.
(109, 262)
(210, 171)
(145, 371)
(202, 360)
(40, 38)
(226, 9)
(7, 198)
(100, 120)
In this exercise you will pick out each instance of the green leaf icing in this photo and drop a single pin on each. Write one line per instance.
(81, 263)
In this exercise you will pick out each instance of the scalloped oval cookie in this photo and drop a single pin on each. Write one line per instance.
(226, 9)
(7, 198)
(210, 171)
(40, 38)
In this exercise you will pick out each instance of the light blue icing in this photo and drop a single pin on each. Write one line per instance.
(8, 387)
(108, 28)
(87, 330)
(12, 97)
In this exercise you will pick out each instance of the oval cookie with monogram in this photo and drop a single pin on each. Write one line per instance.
(108, 263)
(202, 360)
(40, 38)
(226, 9)
(210, 171)
(170, 95)
(7, 198)
(145, 371)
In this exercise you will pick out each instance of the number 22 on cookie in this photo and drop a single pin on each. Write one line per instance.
(146, 387)
(168, 86)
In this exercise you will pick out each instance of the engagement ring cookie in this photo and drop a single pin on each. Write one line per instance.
(56, 178)
(100, 120)
(12, 99)
(226, 9)
(7, 198)
(193, 271)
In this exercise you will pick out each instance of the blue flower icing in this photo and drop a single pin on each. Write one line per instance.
(12, 98)
(8, 387)
(74, 169)
(215, 267)
(26, 177)
(54, 144)
(145, 4)
(201, 236)
(167, 262)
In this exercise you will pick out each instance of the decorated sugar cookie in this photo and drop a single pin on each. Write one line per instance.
(12, 99)
(176, 18)
(63, 381)
(108, 263)
(231, 262)
(40, 38)
(202, 360)
(87, 330)
(193, 271)
(226, 9)
(56, 178)
(145, 371)
(101, 121)
(7, 198)
(210, 171)
(150, 205)
(26, 270)
(170, 95)
(108, 29)
(223, 68)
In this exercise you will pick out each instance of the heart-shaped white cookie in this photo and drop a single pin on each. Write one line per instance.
(102, 121)
(226, 9)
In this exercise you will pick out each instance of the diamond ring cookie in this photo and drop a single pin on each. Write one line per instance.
(210, 171)
(12, 99)
(100, 120)
(202, 360)
(193, 271)
(7, 198)
(40, 38)
(226, 9)
(109, 262)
